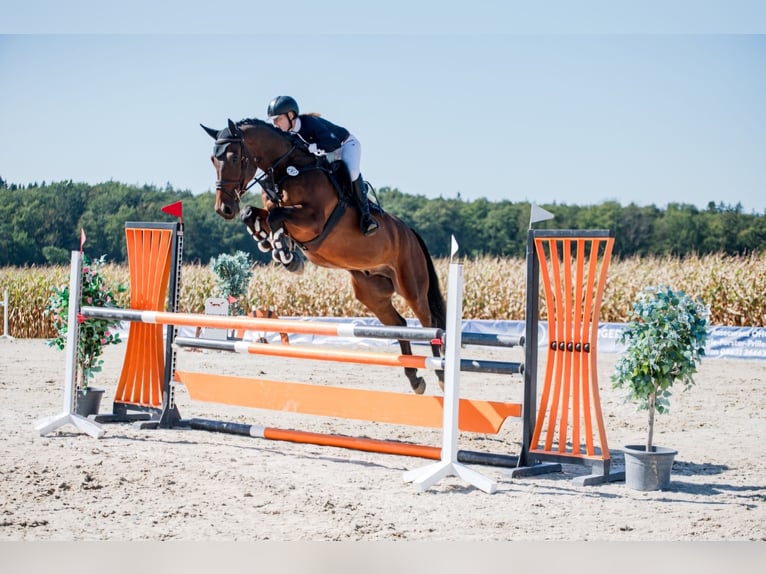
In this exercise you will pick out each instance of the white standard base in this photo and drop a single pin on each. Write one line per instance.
(52, 423)
(425, 477)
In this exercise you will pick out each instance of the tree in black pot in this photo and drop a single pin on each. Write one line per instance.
(232, 278)
(666, 339)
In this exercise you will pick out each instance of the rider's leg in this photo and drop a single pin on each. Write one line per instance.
(367, 223)
(351, 154)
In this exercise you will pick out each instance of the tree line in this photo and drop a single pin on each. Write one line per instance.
(40, 223)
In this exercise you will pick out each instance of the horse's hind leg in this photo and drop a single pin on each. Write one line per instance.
(417, 383)
(375, 292)
(418, 284)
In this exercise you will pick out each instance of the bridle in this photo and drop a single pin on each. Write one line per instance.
(267, 180)
(238, 188)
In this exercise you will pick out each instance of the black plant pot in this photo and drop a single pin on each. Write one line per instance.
(89, 401)
(648, 470)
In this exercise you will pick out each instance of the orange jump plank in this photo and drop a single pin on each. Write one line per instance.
(361, 404)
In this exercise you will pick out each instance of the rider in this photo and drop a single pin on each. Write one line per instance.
(322, 138)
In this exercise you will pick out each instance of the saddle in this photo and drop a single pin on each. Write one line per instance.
(341, 180)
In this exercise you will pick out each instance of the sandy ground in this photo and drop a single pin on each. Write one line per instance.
(186, 485)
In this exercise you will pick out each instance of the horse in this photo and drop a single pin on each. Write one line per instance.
(304, 203)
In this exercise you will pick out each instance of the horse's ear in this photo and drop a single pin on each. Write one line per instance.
(210, 131)
(233, 129)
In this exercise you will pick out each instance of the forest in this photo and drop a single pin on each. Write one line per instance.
(40, 223)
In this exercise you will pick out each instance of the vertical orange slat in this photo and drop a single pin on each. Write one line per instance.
(566, 355)
(557, 354)
(545, 394)
(586, 371)
(594, 336)
(146, 288)
(577, 344)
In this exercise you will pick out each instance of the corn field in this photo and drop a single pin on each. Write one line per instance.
(733, 288)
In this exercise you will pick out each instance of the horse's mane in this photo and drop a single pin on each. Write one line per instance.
(252, 122)
(258, 122)
(290, 137)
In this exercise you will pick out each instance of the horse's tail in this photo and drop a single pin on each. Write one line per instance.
(435, 298)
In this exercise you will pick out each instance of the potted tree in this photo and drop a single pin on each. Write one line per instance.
(94, 333)
(232, 277)
(666, 339)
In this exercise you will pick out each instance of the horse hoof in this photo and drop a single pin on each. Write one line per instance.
(440, 375)
(295, 266)
(283, 257)
(246, 214)
(419, 386)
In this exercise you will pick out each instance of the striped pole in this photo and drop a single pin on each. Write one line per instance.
(353, 443)
(265, 324)
(363, 358)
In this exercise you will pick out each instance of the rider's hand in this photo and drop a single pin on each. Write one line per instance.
(315, 150)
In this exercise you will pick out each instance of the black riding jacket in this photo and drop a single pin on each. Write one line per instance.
(326, 135)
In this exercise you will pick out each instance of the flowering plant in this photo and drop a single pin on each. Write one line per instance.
(94, 333)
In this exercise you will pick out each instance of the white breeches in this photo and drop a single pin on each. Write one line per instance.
(351, 154)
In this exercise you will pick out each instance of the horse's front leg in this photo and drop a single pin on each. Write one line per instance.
(285, 251)
(271, 239)
(255, 220)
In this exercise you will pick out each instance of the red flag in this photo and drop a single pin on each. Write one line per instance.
(232, 300)
(174, 209)
(82, 238)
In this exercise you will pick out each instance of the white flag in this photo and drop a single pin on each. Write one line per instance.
(539, 214)
(454, 248)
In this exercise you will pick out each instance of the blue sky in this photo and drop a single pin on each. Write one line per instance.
(551, 110)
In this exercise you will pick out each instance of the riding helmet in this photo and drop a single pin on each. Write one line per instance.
(282, 105)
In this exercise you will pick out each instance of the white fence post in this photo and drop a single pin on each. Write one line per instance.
(6, 335)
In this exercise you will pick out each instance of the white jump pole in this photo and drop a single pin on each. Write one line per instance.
(6, 334)
(427, 476)
(68, 415)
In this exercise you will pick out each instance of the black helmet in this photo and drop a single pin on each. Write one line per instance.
(282, 105)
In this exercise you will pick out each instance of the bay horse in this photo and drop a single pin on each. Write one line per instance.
(304, 202)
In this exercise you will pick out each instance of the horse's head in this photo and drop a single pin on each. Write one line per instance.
(234, 167)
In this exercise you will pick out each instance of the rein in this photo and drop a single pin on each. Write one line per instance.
(270, 186)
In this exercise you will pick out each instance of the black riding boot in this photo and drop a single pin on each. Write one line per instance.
(366, 222)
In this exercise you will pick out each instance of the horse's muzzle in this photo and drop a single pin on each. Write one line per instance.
(226, 210)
